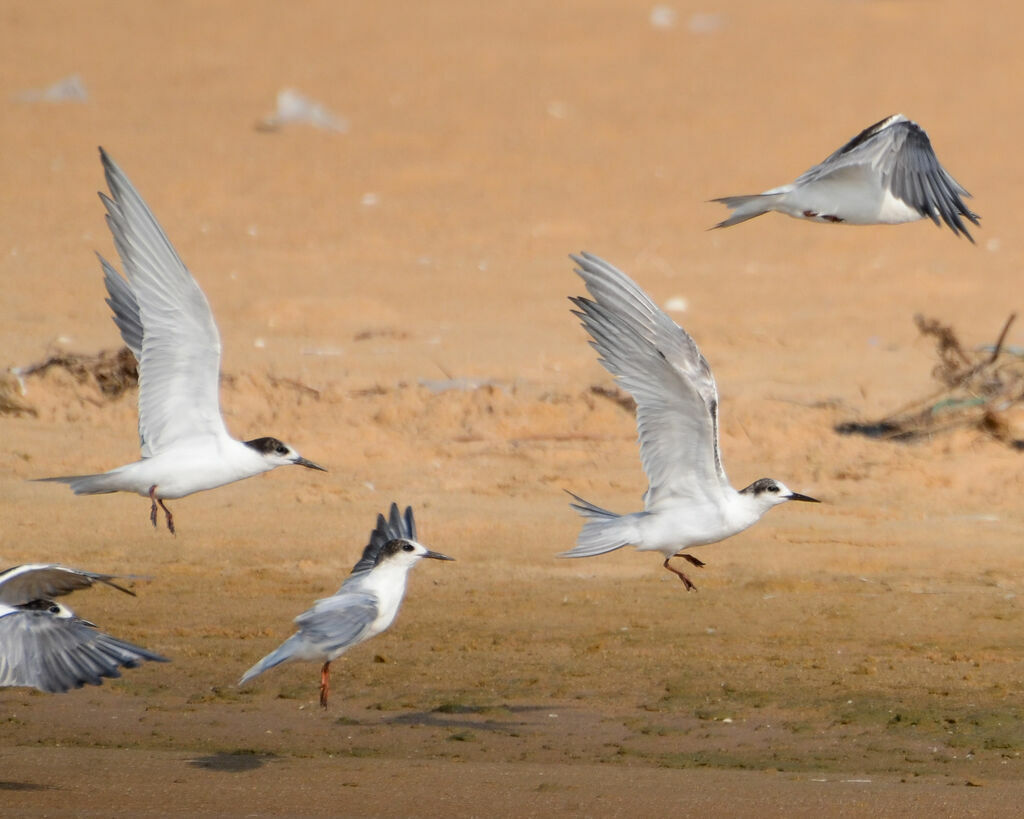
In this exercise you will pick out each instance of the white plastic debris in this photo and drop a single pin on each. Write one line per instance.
(663, 16)
(67, 89)
(293, 107)
(704, 23)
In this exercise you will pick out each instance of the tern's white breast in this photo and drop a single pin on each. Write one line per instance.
(193, 465)
(675, 525)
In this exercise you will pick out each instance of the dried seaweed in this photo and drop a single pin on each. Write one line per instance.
(977, 388)
(113, 372)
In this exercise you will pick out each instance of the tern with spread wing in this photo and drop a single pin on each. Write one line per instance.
(166, 322)
(689, 501)
(365, 605)
(44, 645)
(886, 175)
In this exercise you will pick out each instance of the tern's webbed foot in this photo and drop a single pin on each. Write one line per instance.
(686, 581)
(170, 517)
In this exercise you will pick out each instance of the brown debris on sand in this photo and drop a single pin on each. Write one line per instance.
(110, 372)
(978, 389)
(113, 372)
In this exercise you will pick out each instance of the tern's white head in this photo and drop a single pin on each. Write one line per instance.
(765, 493)
(405, 553)
(278, 453)
(50, 607)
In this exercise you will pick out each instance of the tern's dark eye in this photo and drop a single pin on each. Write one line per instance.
(281, 449)
(773, 488)
(54, 609)
(408, 547)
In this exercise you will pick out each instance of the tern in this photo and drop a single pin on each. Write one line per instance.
(886, 175)
(166, 322)
(44, 645)
(689, 501)
(364, 606)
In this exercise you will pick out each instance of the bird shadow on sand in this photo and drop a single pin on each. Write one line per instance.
(460, 716)
(25, 786)
(232, 761)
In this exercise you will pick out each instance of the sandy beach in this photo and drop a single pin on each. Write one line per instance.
(392, 300)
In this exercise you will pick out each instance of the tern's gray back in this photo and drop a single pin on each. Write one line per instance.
(335, 623)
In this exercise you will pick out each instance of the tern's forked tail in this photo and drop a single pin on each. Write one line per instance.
(282, 654)
(603, 532)
(100, 484)
(747, 207)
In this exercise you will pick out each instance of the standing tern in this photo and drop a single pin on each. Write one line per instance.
(44, 645)
(166, 322)
(886, 175)
(364, 606)
(689, 501)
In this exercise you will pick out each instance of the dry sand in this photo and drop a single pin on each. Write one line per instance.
(861, 657)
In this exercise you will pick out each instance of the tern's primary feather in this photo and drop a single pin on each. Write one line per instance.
(887, 174)
(32, 581)
(125, 308)
(56, 654)
(394, 527)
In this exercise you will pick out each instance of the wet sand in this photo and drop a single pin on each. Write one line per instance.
(392, 301)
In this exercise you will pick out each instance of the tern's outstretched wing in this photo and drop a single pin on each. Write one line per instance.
(899, 151)
(658, 363)
(56, 654)
(34, 581)
(335, 623)
(394, 527)
(179, 365)
(126, 308)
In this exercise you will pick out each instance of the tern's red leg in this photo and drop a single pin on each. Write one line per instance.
(170, 517)
(325, 683)
(686, 581)
(698, 563)
(152, 511)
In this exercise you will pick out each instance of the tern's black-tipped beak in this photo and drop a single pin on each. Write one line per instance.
(799, 497)
(308, 464)
(437, 555)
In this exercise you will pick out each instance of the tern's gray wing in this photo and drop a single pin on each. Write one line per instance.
(34, 581)
(335, 623)
(56, 654)
(900, 153)
(396, 526)
(658, 363)
(179, 366)
(125, 306)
